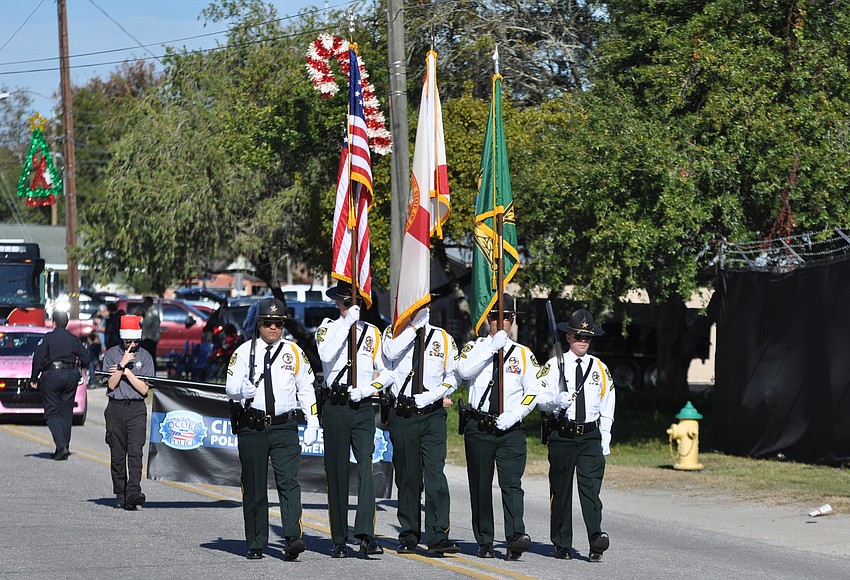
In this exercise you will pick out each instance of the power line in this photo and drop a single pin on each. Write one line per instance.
(127, 32)
(160, 57)
(161, 43)
(24, 23)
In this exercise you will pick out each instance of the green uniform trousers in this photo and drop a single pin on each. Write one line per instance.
(506, 451)
(280, 442)
(419, 458)
(349, 427)
(583, 457)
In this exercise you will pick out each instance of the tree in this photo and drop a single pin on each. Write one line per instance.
(544, 45)
(699, 115)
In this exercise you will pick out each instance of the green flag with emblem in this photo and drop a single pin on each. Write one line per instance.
(495, 259)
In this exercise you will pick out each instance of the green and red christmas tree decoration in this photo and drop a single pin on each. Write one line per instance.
(40, 181)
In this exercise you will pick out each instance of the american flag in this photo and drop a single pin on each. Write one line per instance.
(354, 192)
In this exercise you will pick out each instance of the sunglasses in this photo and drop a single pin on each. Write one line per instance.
(579, 338)
(130, 341)
(269, 322)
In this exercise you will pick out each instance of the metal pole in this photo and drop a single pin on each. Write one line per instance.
(69, 175)
(400, 168)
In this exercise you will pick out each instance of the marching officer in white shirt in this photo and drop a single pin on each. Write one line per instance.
(274, 379)
(494, 436)
(580, 435)
(417, 425)
(348, 419)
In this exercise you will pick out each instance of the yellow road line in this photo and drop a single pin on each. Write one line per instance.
(214, 492)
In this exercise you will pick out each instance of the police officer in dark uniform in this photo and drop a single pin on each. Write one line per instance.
(582, 416)
(348, 419)
(126, 413)
(494, 436)
(273, 377)
(56, 372)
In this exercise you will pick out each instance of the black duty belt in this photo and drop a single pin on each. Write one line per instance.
(58, 366)
(571, 429)
(278, 419)
(438, 404)
(125, 401)
(476, 414)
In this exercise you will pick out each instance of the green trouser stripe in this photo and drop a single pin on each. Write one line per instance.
(485, 453)
(582, 456)
(419, 456)
(346, 428)
(280, 442)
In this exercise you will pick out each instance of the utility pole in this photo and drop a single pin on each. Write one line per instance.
(69, 174)
(400, 169)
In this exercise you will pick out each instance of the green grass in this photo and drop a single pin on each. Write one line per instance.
(642, 458)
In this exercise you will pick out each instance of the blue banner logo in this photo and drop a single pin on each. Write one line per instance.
(183, 430)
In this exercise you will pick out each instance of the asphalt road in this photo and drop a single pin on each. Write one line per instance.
(57, 522)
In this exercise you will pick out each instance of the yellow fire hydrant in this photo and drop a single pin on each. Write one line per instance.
(686, 434)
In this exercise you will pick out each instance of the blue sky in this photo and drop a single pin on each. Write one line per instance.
(29, 31)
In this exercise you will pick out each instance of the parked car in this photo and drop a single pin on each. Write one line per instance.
(201, 297)
(17, 397)
(180, 324)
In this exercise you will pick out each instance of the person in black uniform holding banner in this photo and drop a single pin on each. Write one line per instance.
(126, 413)
(423, 374)
(56, 366)
(274, 378)
(580, 436)
(348, 419)
(494, 436)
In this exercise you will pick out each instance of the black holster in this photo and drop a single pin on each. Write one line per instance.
(384, 401)
(463, 416)
(545, 428)
(237, 415)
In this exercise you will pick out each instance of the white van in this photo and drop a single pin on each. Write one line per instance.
(305, 293)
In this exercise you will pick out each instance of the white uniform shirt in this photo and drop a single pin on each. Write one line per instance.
(520, 378)
(440, 360)
(292, 377)
(332, 341)
(599, 397)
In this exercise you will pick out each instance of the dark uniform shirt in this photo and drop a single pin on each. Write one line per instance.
(143, 366)
(58, 346)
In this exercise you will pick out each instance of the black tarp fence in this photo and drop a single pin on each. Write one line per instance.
(782, 376)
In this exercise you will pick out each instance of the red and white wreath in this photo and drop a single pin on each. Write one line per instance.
(319, 55)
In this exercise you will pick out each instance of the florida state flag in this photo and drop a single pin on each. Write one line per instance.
(427, 206)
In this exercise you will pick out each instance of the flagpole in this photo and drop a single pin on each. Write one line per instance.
(353, 222)
(499, 247)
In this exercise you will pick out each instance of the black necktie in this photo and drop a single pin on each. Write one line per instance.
(495, 391)
(416, 387)
(267, 380)
(580, 415)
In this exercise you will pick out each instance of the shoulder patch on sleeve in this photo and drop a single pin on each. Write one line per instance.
(544, 370)
(320, 334)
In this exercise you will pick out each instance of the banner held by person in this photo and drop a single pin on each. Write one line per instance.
(191, 440)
